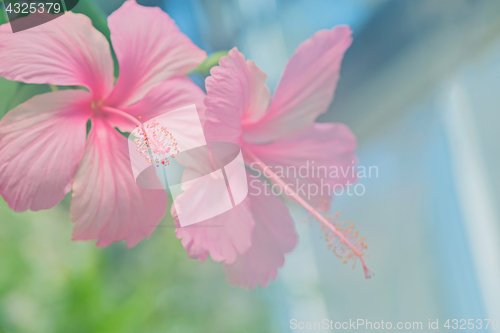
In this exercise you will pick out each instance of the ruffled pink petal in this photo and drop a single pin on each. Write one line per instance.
(274, 236)
(150, 48)
(169, 95)
(107, 204)
(236, 93)
(41, 144)
(224, 237)
(67, 51)
(306, 88)
(315, 163)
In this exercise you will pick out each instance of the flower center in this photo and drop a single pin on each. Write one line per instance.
(155, 143)
(94, 105)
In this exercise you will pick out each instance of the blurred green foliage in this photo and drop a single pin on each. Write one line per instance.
(50, 284)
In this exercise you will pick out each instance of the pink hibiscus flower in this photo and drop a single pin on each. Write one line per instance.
(44, 149)
(253, 238)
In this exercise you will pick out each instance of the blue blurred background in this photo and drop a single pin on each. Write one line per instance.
(420, 88)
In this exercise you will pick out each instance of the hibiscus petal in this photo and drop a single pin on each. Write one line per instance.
(150, 48)
(236, 93)
(223, 237)
(67, 51)
(306, 88)
(313, 162)
(273, 236)
(169, 95)
(107, 204)
(41, 144)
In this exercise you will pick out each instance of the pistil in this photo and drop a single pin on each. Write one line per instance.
(346, 236)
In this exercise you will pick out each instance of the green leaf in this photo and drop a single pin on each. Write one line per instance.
(211, 61)
(8, 90)
(3, 14)
(17, 93)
